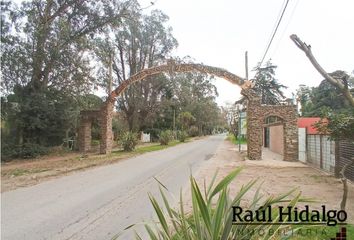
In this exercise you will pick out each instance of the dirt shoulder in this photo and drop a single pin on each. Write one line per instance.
(277, 177)
(28, 172)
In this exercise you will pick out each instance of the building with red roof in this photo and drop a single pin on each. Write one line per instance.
(308, 123)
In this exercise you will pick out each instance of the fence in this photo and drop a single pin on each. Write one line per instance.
(320, 152)
(344, 153)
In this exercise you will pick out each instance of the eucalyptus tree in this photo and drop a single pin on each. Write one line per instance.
(142, 42)
(195, 93)
(45, 60)
(45, 42)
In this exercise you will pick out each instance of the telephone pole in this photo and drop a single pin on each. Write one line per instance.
(246, 64)
(239, 107)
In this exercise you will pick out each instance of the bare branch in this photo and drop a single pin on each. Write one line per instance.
(345, 184)
(335, 82)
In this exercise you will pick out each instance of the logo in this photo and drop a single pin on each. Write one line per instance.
(341, 235)
(288, 216)
(304, 219)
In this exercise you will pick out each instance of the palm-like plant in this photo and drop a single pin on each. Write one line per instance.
(211, 216)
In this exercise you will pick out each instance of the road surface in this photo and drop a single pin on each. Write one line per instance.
(101, 202)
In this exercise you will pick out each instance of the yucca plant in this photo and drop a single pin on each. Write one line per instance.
(165, 137)
(182, 136)
(212, 215)
(128, 141)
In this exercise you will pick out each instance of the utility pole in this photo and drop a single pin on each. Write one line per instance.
(239, 129)
(246, 64)
(239, 109)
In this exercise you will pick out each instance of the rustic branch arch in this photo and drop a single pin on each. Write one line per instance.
(174, 67)
(105, 113)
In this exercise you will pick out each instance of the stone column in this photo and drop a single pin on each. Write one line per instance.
(106, 114)
(254, 134)
(84, 138)
(291, 145)
(254, 124)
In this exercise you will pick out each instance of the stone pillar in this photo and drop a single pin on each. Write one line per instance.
(254, 134)
(254, 124)
(84, 138)
(106, 127)
(291, 145)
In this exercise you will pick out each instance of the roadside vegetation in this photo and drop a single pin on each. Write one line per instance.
(51, 72)
(20, 173)
(231, 137)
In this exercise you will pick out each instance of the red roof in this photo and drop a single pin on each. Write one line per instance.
(308, 124)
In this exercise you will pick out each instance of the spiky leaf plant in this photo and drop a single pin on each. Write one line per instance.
(212, 215)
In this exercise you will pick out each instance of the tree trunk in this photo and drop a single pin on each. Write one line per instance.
(345, 184)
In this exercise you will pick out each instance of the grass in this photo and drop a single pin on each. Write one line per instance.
(80, 162)
(145, 149)
(156, 147)
(20, 172)
(234, 140)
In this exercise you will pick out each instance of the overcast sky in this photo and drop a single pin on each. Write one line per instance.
(218, 32)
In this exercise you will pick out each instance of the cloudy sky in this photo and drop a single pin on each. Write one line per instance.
(218, 32)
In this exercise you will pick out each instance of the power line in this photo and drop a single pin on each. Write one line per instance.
(275, 31)
(286, 27)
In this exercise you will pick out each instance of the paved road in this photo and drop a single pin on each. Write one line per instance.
(98, 203)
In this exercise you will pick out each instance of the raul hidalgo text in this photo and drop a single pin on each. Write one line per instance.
(288, 215)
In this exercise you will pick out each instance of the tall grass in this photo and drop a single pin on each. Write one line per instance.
(211, 215)
(231, 137)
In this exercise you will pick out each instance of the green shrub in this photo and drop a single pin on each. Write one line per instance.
(182, 136)
(26, 150)
(32, 150)
(211, 214)
(128, 141)
(165, 137)
(193, 131)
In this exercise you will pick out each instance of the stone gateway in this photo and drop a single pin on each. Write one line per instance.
(256, 112)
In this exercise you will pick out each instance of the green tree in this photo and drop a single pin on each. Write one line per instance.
(195, 93)
(185, 119)
(44, 41)
(44, 118)
(45, 64)
(314, 101)
(143, 41)
(267, 85)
